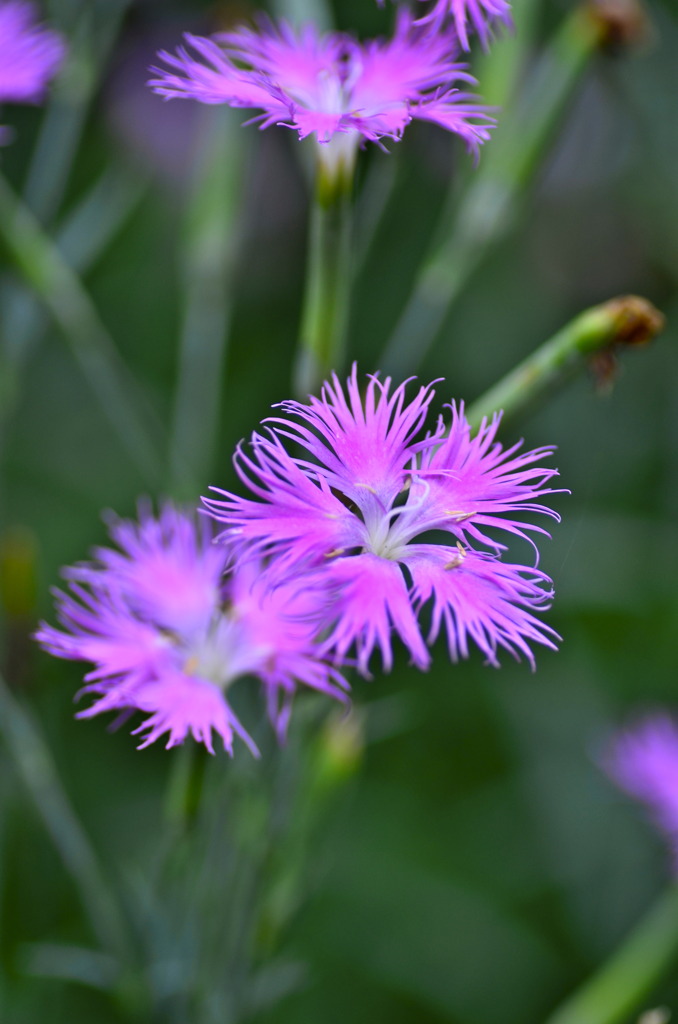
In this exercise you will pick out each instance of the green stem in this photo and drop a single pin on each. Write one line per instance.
(185, 785)
(623, 983)
(301, 12)
(624, 321)
(325, 309)
(500, 69)
(90, 45)
(44, 269)
(490, 203)
(373, 207)
(38, 771)
(211, 241)
(85, 233)
(82, 237)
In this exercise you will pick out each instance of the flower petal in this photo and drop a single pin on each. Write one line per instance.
(179, 705)
(325, 84)
(478, 15)
(30, 55)
(103, 632)
(364, 445)
(470, 482)
(167, 571)
(643, 761)
(370, 599)
(295, 509)
(476, 597)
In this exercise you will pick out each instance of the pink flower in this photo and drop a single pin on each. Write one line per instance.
(30, 55)
(478, 15)
(169, 629)
(385, 517)
(325, 85)
(643, 761)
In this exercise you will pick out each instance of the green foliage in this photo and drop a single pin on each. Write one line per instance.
(475, 866)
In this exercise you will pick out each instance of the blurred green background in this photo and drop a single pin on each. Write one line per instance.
(478, 865)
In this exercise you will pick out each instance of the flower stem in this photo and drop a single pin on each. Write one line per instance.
(211, 241)
(301, 12)
(501, 69)
(489, 204)
(92, 35)
(621, 985)
(82, 237)
(43, 267)
(185, 786)
(598, 331)
(39, 774)
(325, 309)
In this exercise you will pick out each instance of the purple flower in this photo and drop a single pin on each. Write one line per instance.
(330, 84)
(479, 15)
(643, 761)
(384, 516)
(168, 632)
(30, 55)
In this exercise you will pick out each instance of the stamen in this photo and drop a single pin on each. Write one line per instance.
(191, 665)
(457, 560)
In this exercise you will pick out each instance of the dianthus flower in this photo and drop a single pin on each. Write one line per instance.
(643, 761)
(168, 632)
(330, 84)
(356, 508)
(478, 15)
(30, 54)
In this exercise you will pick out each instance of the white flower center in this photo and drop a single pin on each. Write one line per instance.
(220, 654)
(337, 156)
(384, 538)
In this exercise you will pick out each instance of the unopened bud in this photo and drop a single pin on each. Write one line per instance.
(619, 24)
(637, 321)
(18, 587)
(661, 1015)
(343, 744)
(634, 322)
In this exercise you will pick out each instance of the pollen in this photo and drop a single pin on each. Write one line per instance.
(457, 559)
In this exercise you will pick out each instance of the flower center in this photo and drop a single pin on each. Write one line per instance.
(332, 98)
(384, 538)
(224, 652)
(214, 654)
(336, 161)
